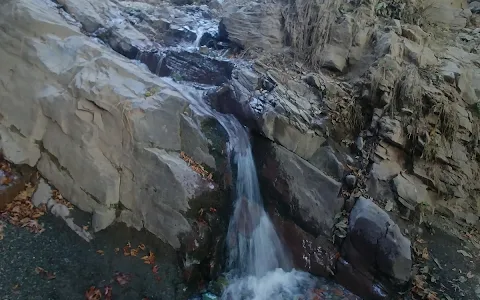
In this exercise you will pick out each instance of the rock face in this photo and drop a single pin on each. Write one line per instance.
(449, 13)
(314, 255)
(104, 131)
(288, 112)
(257, 25)
(305, 193)
(375, 241)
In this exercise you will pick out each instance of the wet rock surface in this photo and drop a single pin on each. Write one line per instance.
(284, 177)
(132, 128)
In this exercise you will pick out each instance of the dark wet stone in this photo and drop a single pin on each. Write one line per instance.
(150, 59)
(314, 255)
(182, 2)
(299, 190)
(350, 181)
(117, 42)
(174, 36)
(375, 243)
(208, 40)
(195, 67)
(326, 160)
(358, 282)
(223, 100)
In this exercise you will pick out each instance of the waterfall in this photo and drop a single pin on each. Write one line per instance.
(259, 267)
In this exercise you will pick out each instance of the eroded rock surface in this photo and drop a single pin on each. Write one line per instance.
(375, 241)
(104, 131)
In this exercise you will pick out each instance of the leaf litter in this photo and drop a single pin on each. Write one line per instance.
(94, 293)
(21, 212)
(44, 273)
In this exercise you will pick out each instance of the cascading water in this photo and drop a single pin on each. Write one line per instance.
(258, 261)
(259, 267)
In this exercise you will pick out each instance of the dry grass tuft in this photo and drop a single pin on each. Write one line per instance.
(308, 24)
(449, 122)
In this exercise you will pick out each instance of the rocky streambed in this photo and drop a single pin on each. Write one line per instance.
(129, 116)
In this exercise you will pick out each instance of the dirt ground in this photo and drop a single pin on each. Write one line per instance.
(71, 265)
(447, 260)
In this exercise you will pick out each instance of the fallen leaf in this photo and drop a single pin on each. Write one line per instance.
(141, 247)
(149, 259)
(15, 287)
(85, 227)
(100, 252)
(126, 251)
(213, 210)
(108, 293)
(155, 269)
(93, 294)
(425, 254)
(431, 296)
(117, 250)
(42, 272)
(464, 253)
(134, 252)
(122, 278)
(5, 180)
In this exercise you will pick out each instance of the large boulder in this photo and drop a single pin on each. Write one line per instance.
(298, 188)
(253, 25)
(116, 140)
(449, 13)
(287, 112)
(374, 243)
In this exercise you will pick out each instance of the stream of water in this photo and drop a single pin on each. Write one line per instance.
(259, 266)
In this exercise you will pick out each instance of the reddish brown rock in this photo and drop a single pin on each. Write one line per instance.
(316, 256)
(360, 283)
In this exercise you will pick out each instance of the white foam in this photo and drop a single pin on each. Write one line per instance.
(276, 284)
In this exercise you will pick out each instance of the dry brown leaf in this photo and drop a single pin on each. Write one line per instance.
(100, 252)
(93, 294)
(425, 254)
(141, 247)
(108, 293)
(5, 180)
(42, 272)
(126, 251)
(134, 252)
(122, 278)
(149, 259)
(196, 167)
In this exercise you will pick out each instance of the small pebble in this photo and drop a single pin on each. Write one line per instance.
(350, 203)
(359, 143)
(351, 181)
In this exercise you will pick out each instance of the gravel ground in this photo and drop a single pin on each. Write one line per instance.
(78, 266)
